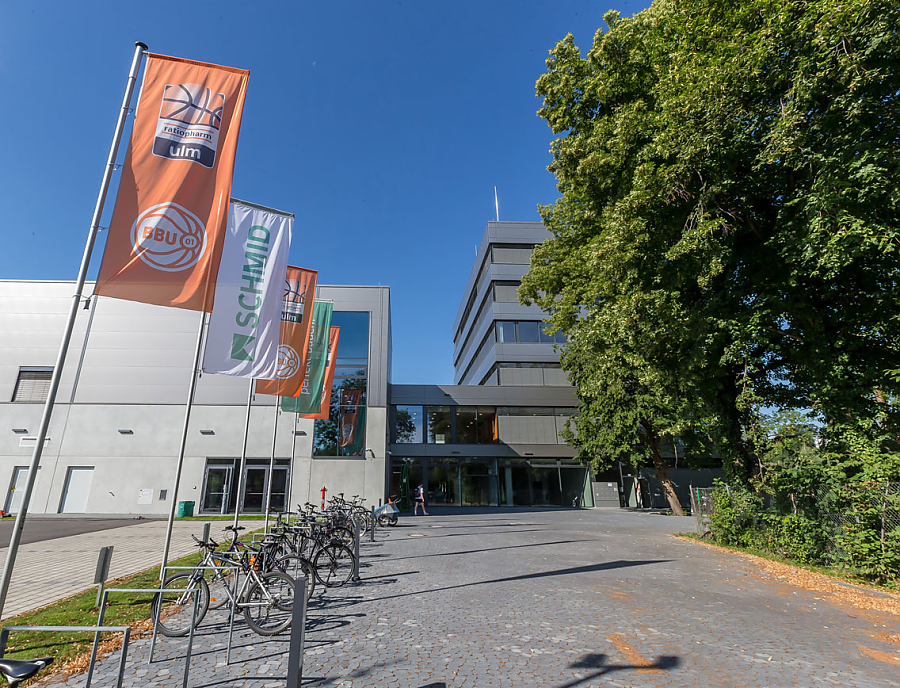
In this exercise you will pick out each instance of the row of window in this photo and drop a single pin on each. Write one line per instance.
(526, 332)
(466, 424)
(500, 254)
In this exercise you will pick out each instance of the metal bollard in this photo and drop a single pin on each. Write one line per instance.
(356, 534)
(102, 572)
(298, 631)
(205, 537)
(372, 533)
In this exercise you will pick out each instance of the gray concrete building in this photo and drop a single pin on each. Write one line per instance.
(113, 440)
(493, 439)
(496, 340)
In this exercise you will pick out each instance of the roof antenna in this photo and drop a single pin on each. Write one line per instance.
(496, 204)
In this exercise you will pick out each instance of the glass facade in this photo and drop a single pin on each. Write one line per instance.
(343, 434)
(478, 424)
(487, 481)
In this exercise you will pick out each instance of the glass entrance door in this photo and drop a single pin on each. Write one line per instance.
(217, 490)
(254, 489)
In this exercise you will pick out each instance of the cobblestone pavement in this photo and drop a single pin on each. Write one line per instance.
(51, 569)
(557, 599)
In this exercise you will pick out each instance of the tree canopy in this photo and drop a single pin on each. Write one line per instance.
(727, 235)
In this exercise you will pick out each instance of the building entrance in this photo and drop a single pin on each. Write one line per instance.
(220, 486)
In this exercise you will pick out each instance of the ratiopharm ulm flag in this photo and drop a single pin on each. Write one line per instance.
(244, 327)
(165, 238)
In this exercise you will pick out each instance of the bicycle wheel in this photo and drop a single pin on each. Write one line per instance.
(333, 565)
(342, 534)
(268, 607)
(294, 567)
(218, 583)
(171, 609)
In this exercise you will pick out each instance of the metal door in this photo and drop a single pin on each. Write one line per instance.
(217, 490)
(254, 497)
(78, 486)
(17, 488)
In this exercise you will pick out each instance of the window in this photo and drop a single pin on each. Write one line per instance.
(512, 255)
(33, 384)
(465, 424)
(440, 424)
(506, 292)
(506, 331)
(486, 425)
(408, 425)
(526, 332)
(343, 434)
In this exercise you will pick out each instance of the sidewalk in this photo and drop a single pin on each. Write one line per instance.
(53, 569)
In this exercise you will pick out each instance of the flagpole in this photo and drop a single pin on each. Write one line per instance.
(271, 465)
(181, 448)
(237, 505)
(16, 536)
(290, 475)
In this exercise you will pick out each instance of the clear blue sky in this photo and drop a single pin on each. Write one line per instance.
(383, 126)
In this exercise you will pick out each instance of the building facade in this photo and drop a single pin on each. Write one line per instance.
(116, 426)
(496, 340)
(493, 439)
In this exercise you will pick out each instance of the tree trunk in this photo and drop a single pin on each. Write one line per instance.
(659, 463)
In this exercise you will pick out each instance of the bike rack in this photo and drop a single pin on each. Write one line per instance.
(102, 612)
(96, 630)
(232, 603)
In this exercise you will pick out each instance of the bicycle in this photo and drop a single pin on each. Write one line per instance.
(265, 597)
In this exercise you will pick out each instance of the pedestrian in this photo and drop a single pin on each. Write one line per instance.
(419, 494)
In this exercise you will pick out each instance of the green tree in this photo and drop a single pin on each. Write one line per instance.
(728, 212)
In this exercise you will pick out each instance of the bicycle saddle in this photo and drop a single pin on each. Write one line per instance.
(17, 670)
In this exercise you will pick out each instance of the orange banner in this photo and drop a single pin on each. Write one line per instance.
(168, 225)
(293, 349)
(334, 336)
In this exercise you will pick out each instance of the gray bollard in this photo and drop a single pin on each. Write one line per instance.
(356, 535)
(298, 631)
(102, 572)
(372, 533)
(205, 537)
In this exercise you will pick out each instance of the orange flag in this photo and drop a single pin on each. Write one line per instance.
(296, 318)
(165, 238)
(325, 403)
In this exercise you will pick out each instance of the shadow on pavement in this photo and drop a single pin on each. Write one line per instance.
(589, 568)
(598, 662)
(486, 549)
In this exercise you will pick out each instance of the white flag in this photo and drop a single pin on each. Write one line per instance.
(242, 337)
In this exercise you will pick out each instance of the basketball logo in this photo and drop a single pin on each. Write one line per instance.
(168, 237)
(288, 362)
(190, 116)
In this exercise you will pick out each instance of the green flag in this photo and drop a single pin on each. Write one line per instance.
(310, 396)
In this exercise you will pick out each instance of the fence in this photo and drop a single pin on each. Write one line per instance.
(874, 507)
(848, 513)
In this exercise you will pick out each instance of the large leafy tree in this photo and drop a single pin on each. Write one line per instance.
(727, 233)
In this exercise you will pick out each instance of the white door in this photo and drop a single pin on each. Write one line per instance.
(17, 488)
(78, 485)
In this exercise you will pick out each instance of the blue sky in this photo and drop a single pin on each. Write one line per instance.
(383, 126)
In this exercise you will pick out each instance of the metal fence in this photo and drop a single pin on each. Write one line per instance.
(873, 507)
(702, 507)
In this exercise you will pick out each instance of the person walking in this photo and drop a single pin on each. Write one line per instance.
(419, 495)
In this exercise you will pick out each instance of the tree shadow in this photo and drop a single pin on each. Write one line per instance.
(589, 568)
(598, 663)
